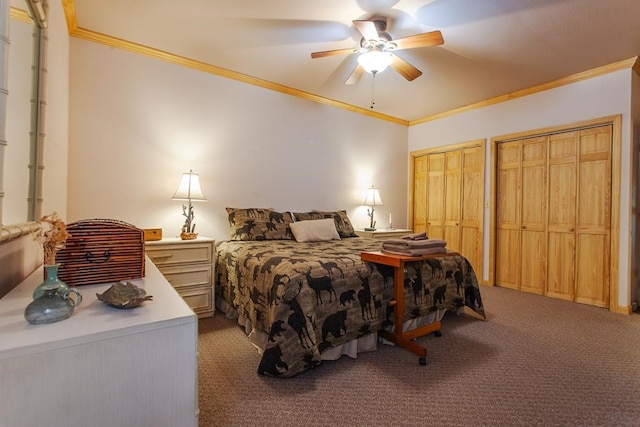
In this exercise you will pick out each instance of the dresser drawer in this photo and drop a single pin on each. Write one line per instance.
(200, 301)
(177, 254)
(193, 275)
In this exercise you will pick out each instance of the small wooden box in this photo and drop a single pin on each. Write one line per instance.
(101, 251)
(152, 234)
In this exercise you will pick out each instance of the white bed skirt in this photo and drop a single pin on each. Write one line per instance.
(351, 348)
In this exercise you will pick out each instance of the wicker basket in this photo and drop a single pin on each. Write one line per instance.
(101, 251)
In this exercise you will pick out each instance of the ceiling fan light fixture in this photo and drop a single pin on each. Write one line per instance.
(375, 61)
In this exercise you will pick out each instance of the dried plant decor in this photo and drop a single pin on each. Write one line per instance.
(52, 235)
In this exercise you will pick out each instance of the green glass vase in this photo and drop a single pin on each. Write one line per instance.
(51, 281)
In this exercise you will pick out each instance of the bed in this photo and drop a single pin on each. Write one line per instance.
(304, 302)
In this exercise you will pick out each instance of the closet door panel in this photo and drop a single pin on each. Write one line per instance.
(562, 215)
(561, 265)
(592, 281)
(534, 215)
(420, 195)
(453, 183)
(533, 262)
(435, 196)
(508, 270)
(508, 204)
(594, 217)
(472, 205)
(470, 247)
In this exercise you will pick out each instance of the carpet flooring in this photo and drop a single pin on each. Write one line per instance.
(535, 361)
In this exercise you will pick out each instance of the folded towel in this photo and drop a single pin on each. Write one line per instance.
(416, 252)
(413, 244)
(414, 247)
(416, 236)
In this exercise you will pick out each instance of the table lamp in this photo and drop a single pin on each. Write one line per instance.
(372, 199)
(189, 189)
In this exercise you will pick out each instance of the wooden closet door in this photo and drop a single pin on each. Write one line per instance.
(453, 176)
(472, 206)
(508, 205)
(435, 196)
(561, 253)
(533, 221)
(419, 206)
(594, 216)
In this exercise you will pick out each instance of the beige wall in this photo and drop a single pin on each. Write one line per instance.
(137, 123)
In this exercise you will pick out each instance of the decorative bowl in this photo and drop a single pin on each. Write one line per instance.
(124, 295)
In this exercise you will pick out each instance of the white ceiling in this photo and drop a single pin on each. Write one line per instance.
(491, 48)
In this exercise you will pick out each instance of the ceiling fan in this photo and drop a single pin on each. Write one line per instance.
(376, 47)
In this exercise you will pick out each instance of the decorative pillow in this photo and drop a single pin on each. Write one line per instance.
(259, 224)
(343, 225)
(315, 230)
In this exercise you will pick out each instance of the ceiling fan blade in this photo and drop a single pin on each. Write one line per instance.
(367, 29)
(432, 38)
(355, 76)
(405, 69)
(332, 52)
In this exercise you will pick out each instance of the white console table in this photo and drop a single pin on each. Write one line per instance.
(103, 366)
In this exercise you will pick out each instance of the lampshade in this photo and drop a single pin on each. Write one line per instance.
(375, 61)
(373, 197)
(189, 188)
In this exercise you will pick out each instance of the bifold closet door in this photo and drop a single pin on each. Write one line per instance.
(448, 194)
(553, 215)
(522, 215)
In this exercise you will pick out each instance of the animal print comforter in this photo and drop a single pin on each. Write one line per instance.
(308, 297)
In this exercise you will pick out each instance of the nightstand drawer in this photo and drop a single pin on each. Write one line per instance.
(180, 254)
(195, 275)
(200, 301)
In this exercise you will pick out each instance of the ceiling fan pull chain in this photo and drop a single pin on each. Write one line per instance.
(373, 90)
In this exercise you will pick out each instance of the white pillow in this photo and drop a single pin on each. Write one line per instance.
(315, 230)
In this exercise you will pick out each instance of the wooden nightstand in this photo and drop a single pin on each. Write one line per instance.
(188, 266)
(386, 233)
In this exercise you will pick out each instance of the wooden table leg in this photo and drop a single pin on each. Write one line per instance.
(399, 337)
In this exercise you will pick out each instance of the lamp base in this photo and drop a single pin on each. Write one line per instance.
(188, 236)
(369, 229)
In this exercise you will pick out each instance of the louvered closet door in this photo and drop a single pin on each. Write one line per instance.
(508, 205)
(435, 196)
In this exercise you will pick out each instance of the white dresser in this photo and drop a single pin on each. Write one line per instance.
(103, 366)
